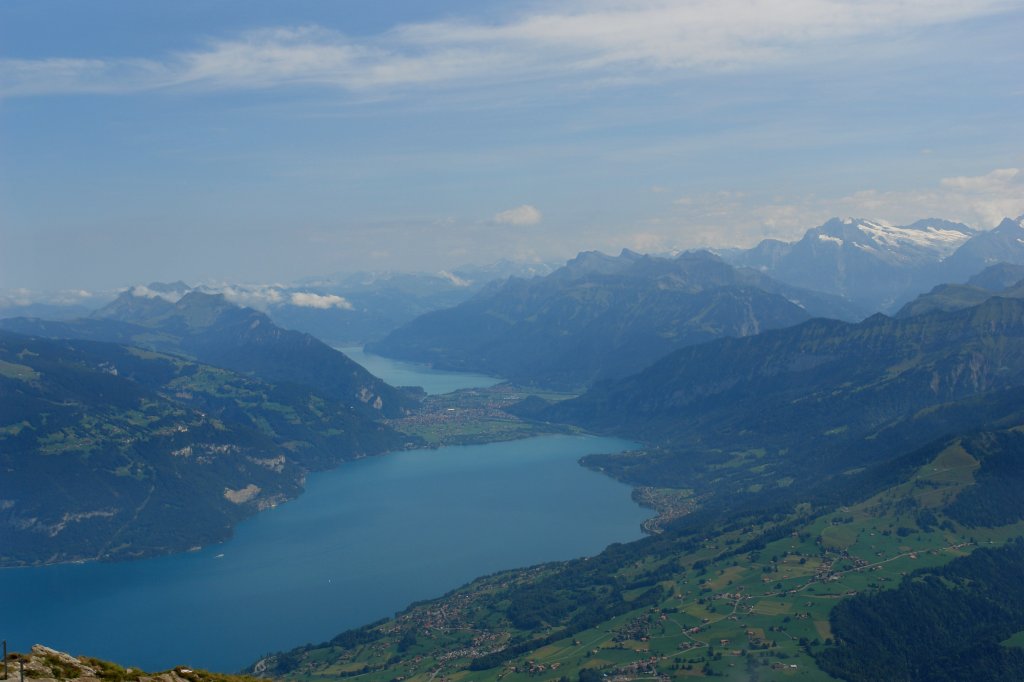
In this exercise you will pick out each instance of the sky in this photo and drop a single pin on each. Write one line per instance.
(254, 141)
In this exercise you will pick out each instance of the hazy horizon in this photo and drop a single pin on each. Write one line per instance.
(269, 292)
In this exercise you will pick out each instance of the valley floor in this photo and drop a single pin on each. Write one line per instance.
(477, 415)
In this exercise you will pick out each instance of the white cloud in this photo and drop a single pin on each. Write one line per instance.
(142, 291)
(610, 41)
(520, 215)
(454, 279)
(266, 296)
(305, 299)
(257, 296)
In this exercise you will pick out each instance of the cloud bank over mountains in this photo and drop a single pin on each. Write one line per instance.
(730, 218)
(258, 296)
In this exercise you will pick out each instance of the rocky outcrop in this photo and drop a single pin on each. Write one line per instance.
(44, 664)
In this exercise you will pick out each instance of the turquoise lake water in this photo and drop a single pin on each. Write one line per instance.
(361, 543)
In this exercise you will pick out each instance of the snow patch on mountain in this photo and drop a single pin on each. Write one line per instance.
(930, 240)
(941, 241)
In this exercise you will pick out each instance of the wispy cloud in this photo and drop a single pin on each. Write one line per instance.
(520, 215)
(603, 40)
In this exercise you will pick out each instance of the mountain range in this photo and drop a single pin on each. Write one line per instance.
(811, 401)
(601, 317)
(1003, 279)
(880, 266)
(342, 310)
(357, 308)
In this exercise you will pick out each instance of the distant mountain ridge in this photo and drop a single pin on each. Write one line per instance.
(352, 309)
(1002, 279)
(603, 316)
(343, 309)
(881, 266)
(998, 277)
(1002, 244)
(212, 330)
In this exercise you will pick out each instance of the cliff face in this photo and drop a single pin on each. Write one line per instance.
(44, 664)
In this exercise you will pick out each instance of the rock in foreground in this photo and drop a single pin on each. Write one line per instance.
(43, 664)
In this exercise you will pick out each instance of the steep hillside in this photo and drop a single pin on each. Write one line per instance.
(111, 452)
(806, 400)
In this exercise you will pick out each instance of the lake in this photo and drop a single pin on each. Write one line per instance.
(362, 542)
(400, 373)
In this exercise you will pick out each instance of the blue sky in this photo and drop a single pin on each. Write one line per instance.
(266, 141)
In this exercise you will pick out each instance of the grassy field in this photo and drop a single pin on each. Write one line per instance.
(15, 371)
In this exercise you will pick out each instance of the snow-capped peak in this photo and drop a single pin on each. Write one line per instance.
(923, 239)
